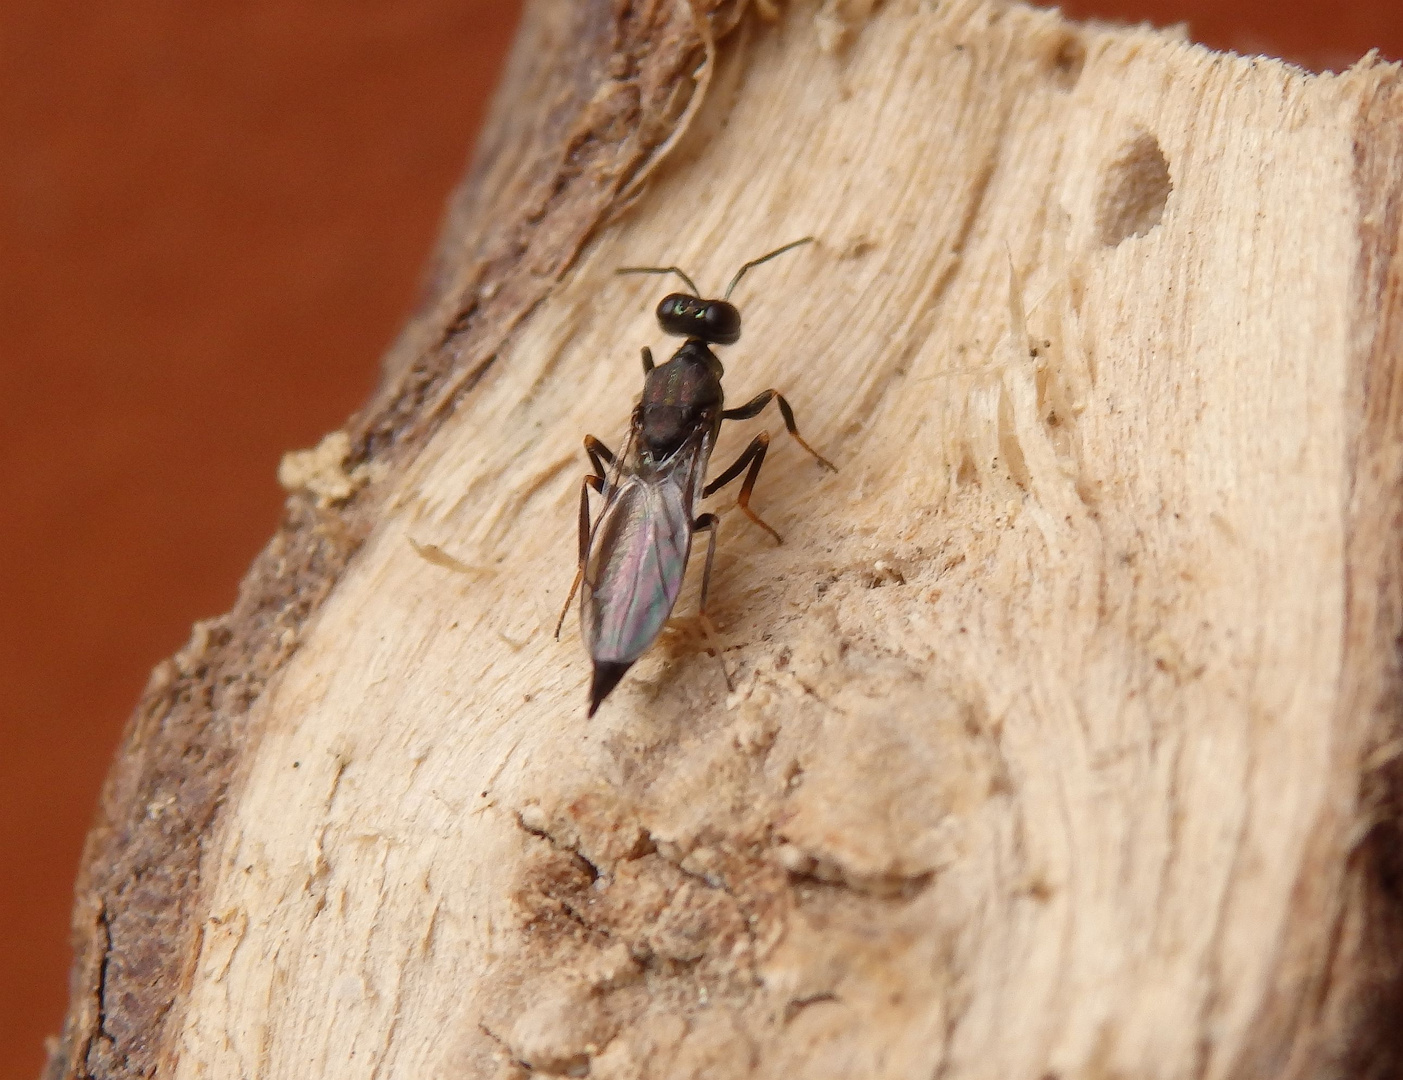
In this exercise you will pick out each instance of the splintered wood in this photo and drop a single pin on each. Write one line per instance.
(1062, 736)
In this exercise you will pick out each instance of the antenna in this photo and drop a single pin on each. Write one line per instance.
(666, 270)
(763, 258)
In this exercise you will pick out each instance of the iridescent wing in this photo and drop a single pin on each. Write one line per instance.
(638, 552)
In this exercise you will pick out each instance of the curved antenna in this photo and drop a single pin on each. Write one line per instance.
(661, 270)
(763, 258)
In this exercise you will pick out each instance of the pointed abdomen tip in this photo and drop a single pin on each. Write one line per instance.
(607, 674)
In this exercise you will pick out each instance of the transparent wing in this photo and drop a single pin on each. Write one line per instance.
(638, 555)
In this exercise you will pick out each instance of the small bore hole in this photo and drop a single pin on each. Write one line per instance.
(1134, 191)
(1066, 62)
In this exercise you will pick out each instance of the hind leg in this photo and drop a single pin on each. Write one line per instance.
(709, 522)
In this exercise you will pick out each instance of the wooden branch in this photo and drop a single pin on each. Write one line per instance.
(1065, 736)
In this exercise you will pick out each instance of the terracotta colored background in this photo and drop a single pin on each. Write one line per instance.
(212, 219)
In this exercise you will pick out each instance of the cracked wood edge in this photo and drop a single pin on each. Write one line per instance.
(554, 161)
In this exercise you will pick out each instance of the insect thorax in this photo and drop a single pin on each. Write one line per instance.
(679, 397)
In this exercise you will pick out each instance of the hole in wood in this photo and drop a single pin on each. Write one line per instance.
(1134, 190)
(1066, 61)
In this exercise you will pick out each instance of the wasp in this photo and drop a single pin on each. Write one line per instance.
(633, 557)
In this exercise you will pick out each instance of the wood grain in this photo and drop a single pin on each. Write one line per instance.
(1064, 736)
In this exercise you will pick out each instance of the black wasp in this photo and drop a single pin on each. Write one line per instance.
(633, 558)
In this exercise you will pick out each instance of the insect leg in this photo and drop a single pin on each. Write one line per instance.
(754, 456)
(599, 456)
(596, 482)
(751, 408)
(647, 359)
(709, 522)
(755, 405)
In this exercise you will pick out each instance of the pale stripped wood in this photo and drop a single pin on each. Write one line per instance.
(1035, 728)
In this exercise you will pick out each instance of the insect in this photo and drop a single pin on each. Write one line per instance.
(633, 557)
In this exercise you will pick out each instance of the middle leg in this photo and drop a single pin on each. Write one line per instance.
(754, 456)
(600, 456)
(591, 481)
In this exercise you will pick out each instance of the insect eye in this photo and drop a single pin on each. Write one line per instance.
(677, 314)
(722, 322)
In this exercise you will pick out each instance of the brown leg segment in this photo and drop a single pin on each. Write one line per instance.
(599, 456)
(756, 405)
(709, 522)
(754, 456)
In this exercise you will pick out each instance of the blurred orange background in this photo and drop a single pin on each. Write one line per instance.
(212, 219)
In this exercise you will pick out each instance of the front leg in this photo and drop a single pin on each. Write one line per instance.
(755, 405)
